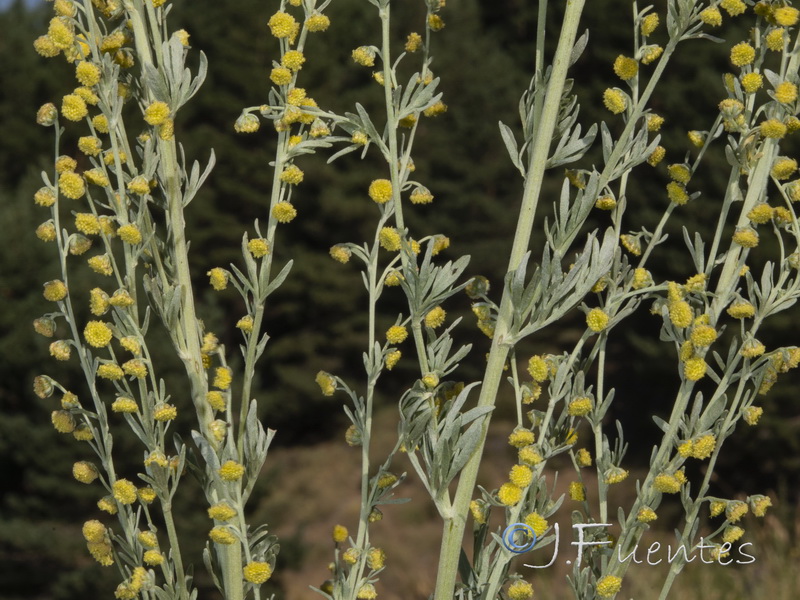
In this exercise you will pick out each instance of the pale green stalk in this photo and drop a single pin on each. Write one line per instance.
(258, 316)
(395, 167)
(190, 334)
(454, 525)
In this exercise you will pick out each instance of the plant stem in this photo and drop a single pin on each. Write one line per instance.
(175, 555)
(453, 531)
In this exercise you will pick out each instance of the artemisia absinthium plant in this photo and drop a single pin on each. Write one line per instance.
(104, 218)
(442, 441)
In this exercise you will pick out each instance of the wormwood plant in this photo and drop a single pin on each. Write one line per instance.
(126, 211)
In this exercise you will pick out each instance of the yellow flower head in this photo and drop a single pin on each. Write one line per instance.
(380, 190)
(389, 239)
(597, 320)
(164, 412)
(733, 7)
(281, 76)
(746, 237)
(218, 278)
(222, 535)
(783, 169)
(521, 476)
(340, 253)
(577, 492)
(667, 484)
(284, 212)
(703, 335)
(124, 491)
(231, 471)
(60, 32)
(478, 508)
(608, 586)
(124, 405)
(221, 512)
(646, 515)
(742, 54)
(258, 247)
(257, 572)
(87, 73)
(97, 334)
(71, 185)
(773, 128)
(776, 39)
(62, 421)
(396, 334)
(55, 290)
(651, 54)
(735, 510)
(317, 22)
(786, 16)
(392, 358)
(679, 173)
(703, 446)
(282, 25)
(520, 590)
(626, 68)
(752, 414)
(339, 534)
(367, 592)
(676, 193)
(615, 101)
(130, 234)
(760, 504)
(615, 475)
(509, 494)
(223, 377)
(376, 558)
(435, 317)
(528, 455)
(326, 383)
(46, 231)
(519, 438)
(110, 371)
(364, 56)
(292, 60)
(413, 42)
(649, 24)
(157, 113)
(435, 22)
(786, 92)
(657, 156)
(695, 368)
(580, 407)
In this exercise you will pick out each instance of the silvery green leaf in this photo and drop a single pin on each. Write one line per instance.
(607, 141)
(661, 423)
(511, 146)
(578, 48)
(696, 249)
(210, 567)
(572, 147)
(196, 179)
(367, 124)
(342, 152)
(277, 280)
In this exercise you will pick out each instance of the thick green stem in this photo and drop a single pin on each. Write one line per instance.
(454, 525)
(175, 556)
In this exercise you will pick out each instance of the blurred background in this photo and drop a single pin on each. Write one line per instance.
(317, 318)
